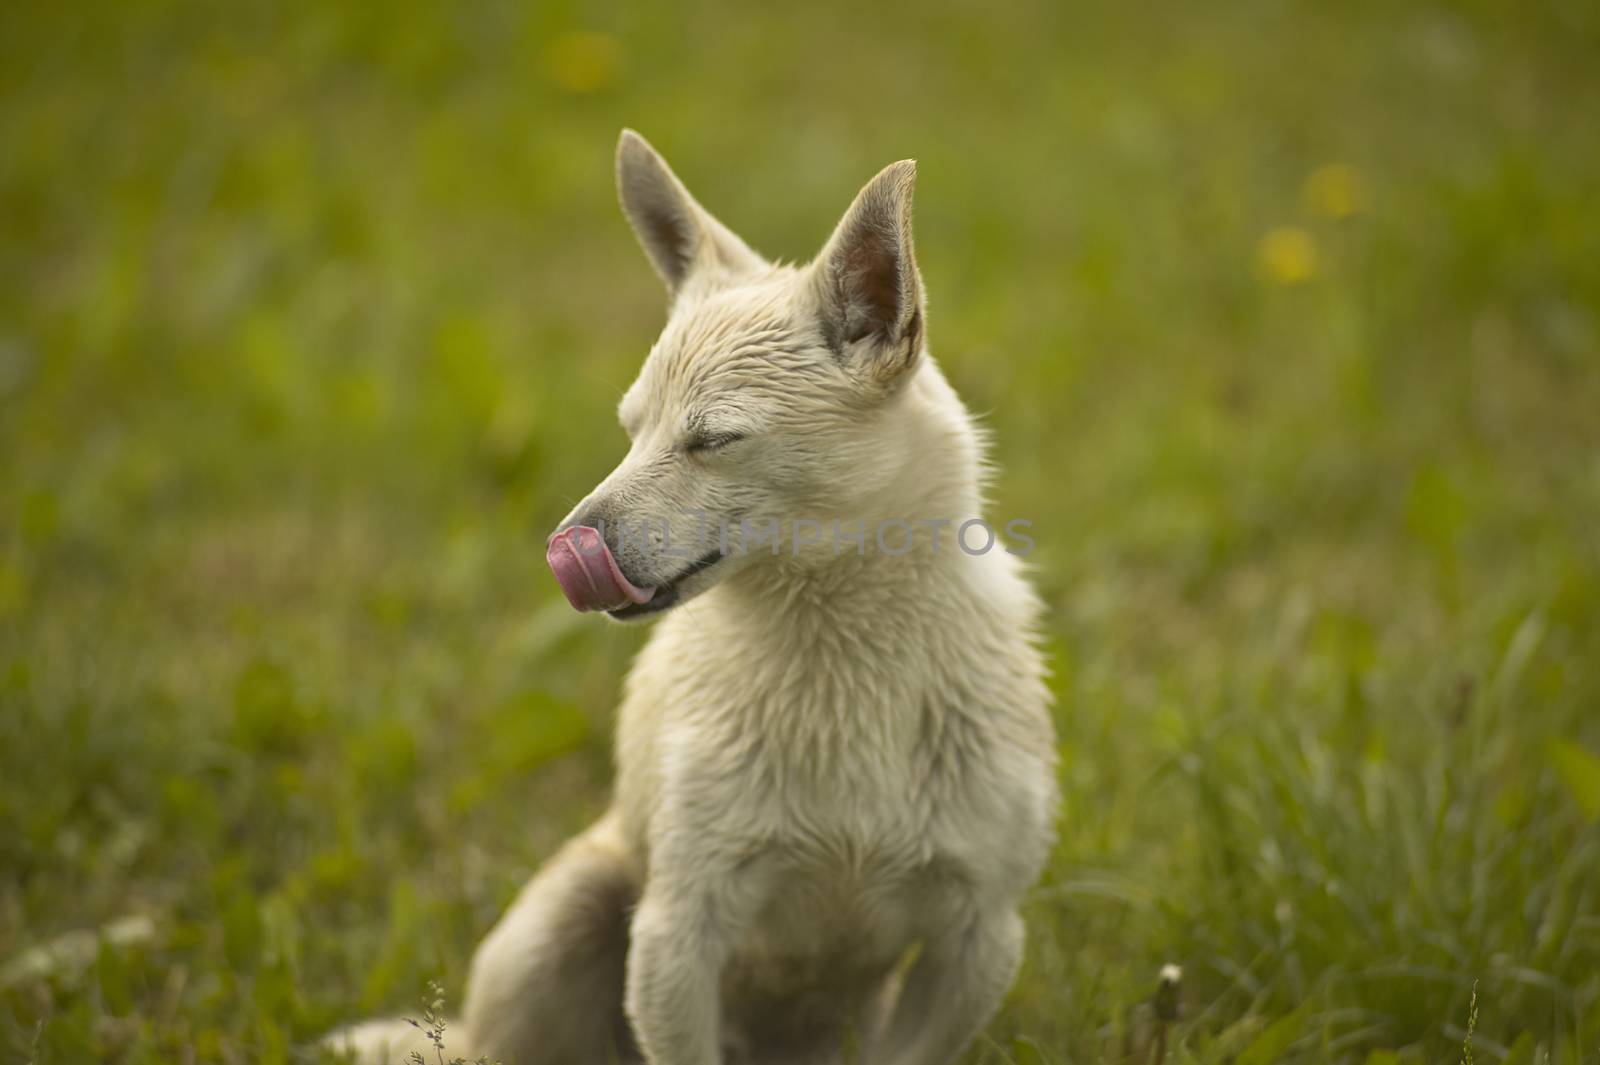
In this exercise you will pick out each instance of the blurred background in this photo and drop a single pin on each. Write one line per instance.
(1286, 318)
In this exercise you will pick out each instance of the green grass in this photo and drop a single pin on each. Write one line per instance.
(312, 322)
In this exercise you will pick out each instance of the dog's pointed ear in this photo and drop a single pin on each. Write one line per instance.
(866, 282)
(681, 238)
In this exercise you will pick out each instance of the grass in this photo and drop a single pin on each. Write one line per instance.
(1287, 321)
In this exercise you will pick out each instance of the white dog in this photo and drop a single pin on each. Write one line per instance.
(835, 759)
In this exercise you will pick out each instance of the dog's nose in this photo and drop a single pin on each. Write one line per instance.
(590, 517)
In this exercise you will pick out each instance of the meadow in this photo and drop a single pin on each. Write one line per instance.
(1286, 321)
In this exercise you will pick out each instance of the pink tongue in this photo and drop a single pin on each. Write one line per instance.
(587, 573)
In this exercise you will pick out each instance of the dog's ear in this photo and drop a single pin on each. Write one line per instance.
(680, 237)
(866, 282)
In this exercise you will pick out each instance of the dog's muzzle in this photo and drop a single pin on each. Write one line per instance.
(587, 572)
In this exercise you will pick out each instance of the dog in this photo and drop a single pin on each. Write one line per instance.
(835, 757)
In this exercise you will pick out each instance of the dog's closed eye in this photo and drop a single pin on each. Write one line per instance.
(710, 441)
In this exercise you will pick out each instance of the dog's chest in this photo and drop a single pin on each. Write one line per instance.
(865, 762)
(836, 916)
(857, 788)
(856, 845)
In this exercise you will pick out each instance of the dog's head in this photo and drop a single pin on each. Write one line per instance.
(763, 400)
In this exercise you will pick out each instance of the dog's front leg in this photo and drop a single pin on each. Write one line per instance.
(953, 989)
(674, 977)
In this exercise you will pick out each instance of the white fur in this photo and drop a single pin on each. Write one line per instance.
(835, 771)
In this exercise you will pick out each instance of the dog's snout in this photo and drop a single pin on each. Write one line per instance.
(588, 572)
(583, 517)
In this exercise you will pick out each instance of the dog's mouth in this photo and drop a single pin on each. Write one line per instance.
(591, 579)
(666, 595)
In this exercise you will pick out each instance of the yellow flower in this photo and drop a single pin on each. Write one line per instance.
(583, 61)
(1287, 255)
(1335, 191)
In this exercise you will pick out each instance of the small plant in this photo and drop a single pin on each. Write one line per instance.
(1472, 1026)
(1166, 1002)
(432, 1026)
